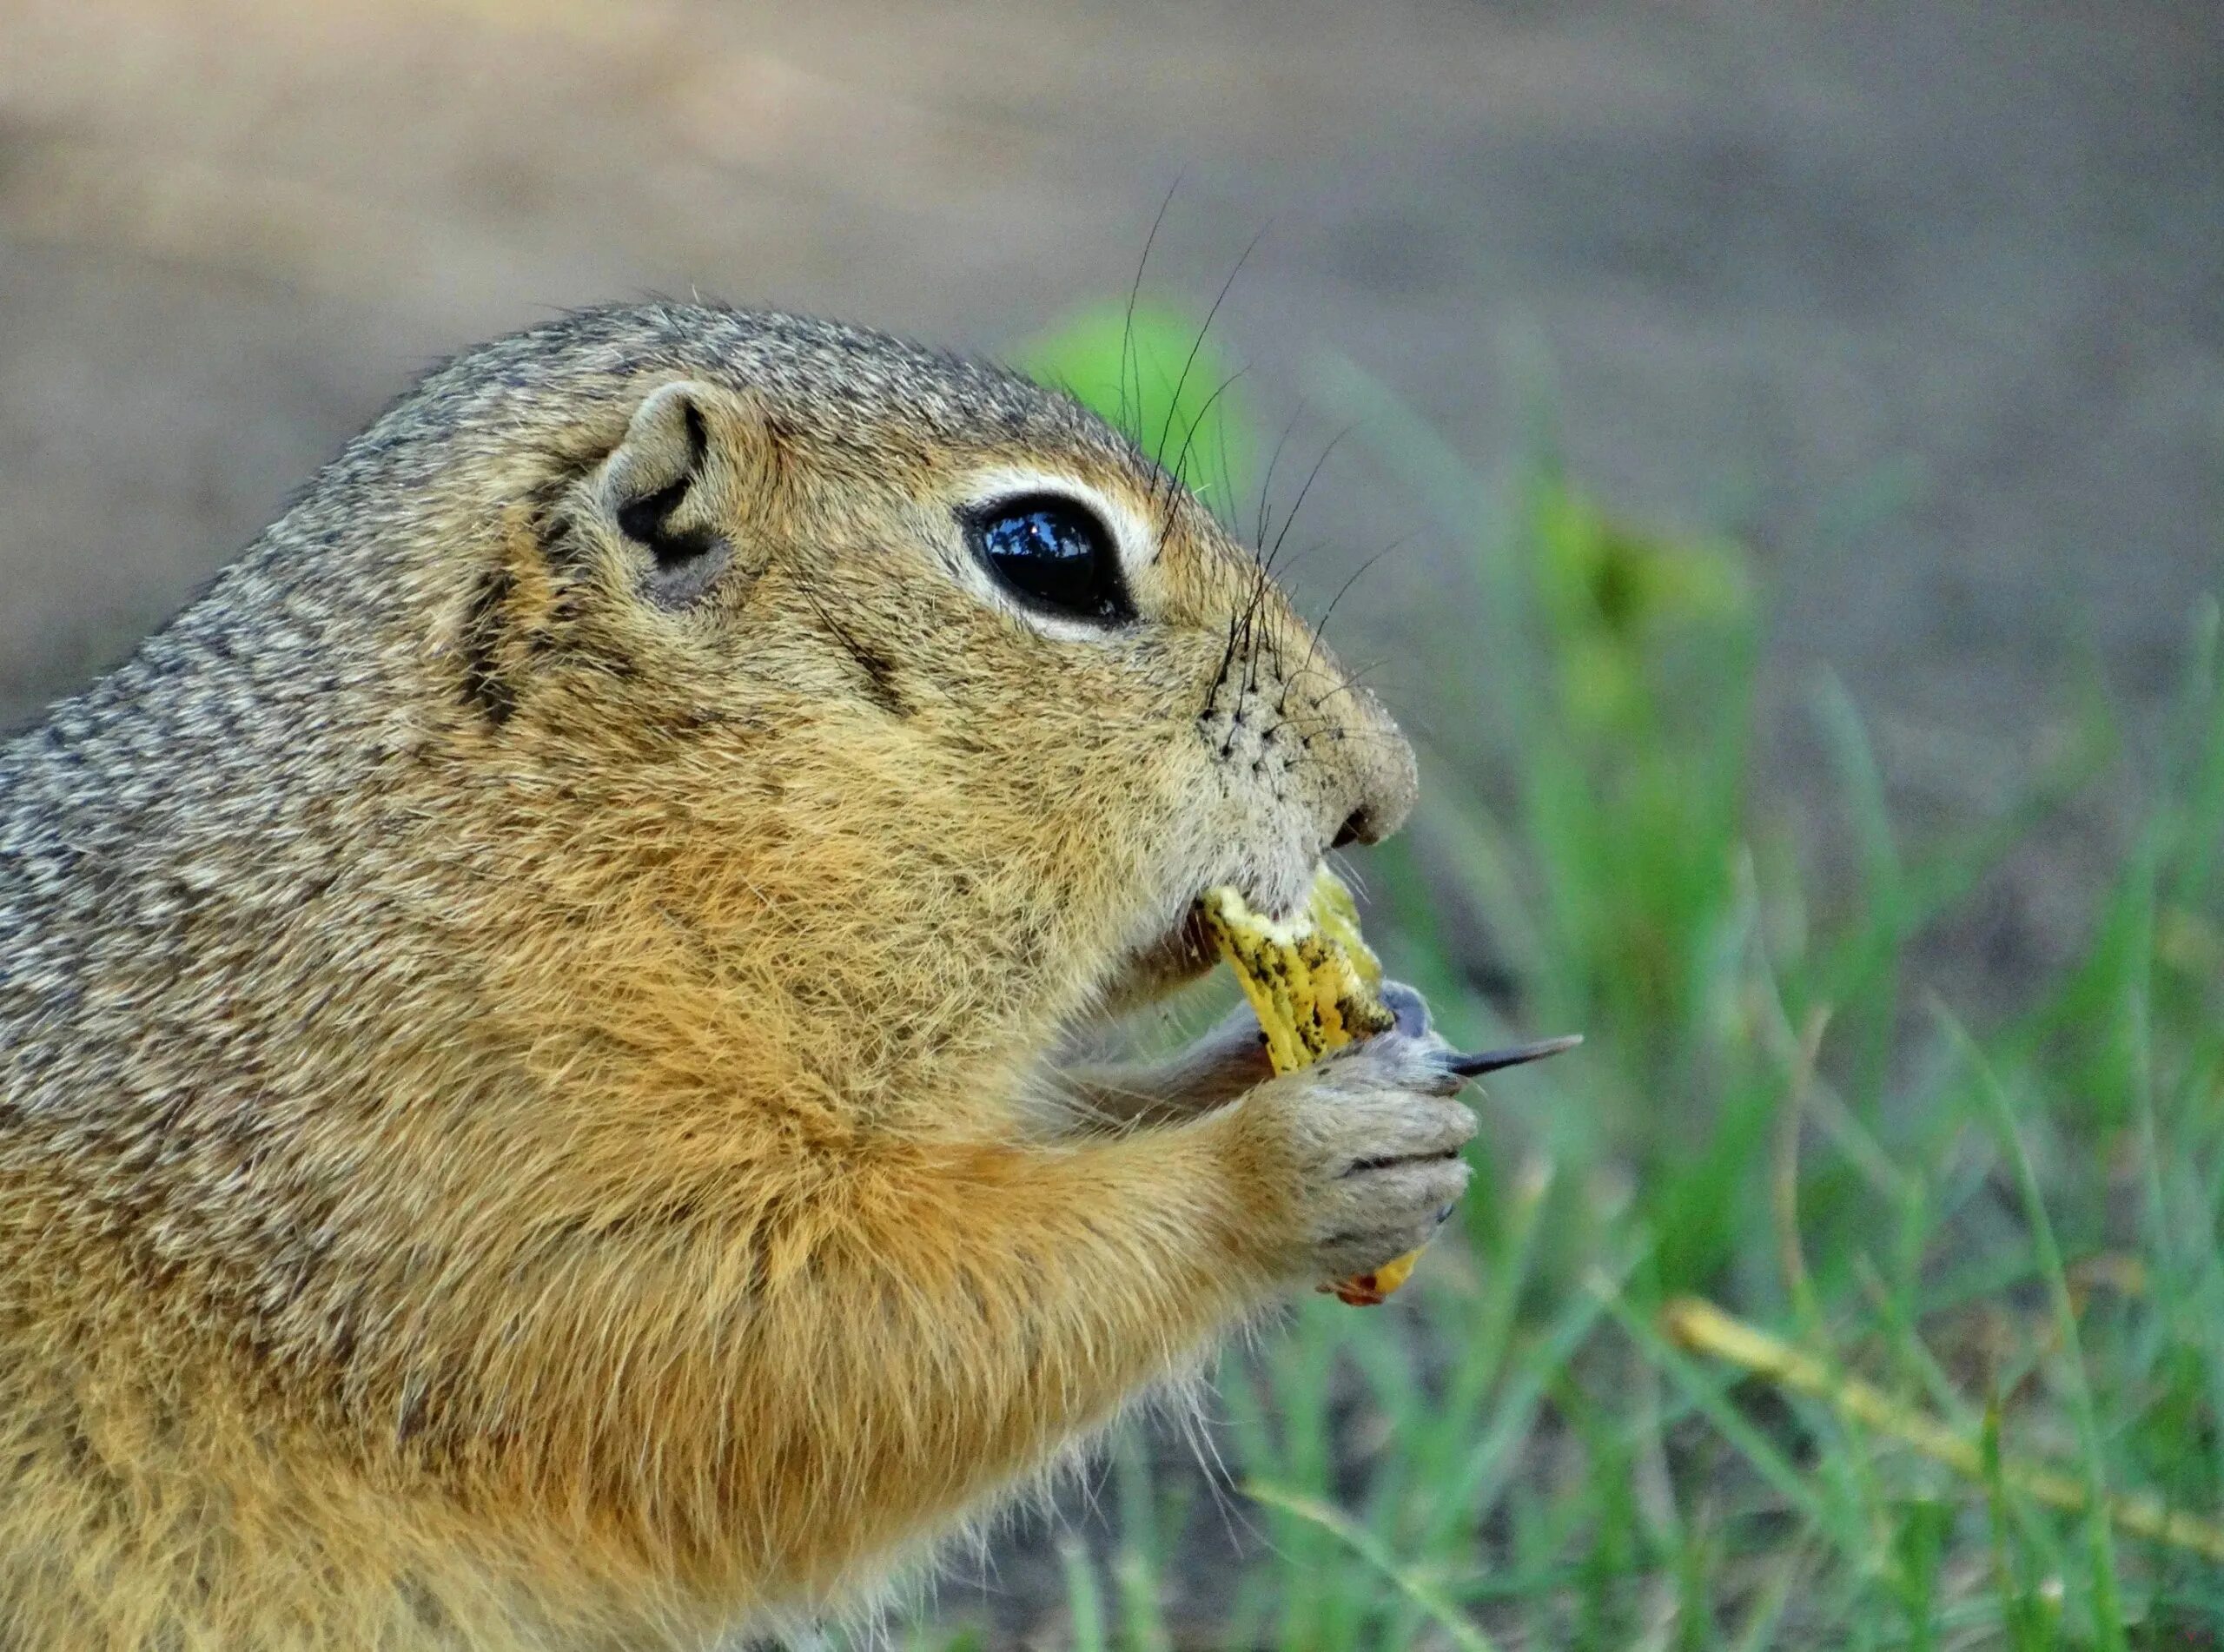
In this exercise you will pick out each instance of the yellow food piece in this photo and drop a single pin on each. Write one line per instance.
(1313, 983)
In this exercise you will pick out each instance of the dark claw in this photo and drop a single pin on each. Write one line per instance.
(1469, 1066)
(1445, 1215)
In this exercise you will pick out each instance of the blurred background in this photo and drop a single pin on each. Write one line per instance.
(1780, 487)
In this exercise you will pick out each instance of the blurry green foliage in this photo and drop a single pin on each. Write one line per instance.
(1635, 616)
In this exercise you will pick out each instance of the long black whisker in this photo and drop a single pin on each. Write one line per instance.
(1298, 504)
(1174, 406)
(1320, 625)
(1227, 518)
(1220, 677)
(1134, 427)
(1266, 484)
(1352, 680)
(1261, 585)
(1182, 459)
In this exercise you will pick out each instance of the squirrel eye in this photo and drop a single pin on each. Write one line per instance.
(1053, 554)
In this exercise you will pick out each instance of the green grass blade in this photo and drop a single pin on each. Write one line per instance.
(2108, 1607)
(1443, 1612)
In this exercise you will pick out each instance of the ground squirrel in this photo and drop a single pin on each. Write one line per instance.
(530, 1111)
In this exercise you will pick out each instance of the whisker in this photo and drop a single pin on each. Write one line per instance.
(1299, 503)
(1181, 460)
(1134, 425)
(1352, 680)
(1173, 405)
(1261, 586)
(1227, 518)
(1320, 625)
(1267, 485)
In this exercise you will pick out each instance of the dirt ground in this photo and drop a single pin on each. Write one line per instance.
(1926, 300)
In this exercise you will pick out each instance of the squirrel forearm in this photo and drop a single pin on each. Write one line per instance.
(1210, 1072)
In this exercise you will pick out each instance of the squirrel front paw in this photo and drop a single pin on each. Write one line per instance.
(1365, 1146)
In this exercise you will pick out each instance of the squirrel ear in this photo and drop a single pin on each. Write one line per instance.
(657, 490)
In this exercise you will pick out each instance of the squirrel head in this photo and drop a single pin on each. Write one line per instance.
(903, 698)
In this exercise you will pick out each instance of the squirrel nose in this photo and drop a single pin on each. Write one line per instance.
(1379, 784)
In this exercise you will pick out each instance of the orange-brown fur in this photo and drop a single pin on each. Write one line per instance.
(517, 1110)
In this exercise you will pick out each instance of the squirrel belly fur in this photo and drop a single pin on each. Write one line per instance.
(530, 1103)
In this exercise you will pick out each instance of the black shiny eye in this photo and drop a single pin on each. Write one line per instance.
(1053, 554)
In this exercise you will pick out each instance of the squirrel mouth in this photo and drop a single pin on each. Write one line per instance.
(1187, 951)
(1182, 954)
